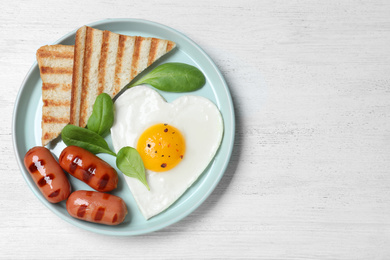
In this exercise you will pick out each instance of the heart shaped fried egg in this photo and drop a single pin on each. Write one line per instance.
(176, 141)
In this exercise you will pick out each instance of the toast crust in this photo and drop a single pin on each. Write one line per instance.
(77, 76)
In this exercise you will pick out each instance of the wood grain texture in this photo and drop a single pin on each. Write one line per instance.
(309, 176)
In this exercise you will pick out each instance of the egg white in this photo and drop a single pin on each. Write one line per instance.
(196, 117)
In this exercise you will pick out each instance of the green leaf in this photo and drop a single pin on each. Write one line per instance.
(130, 163)
(85, 138)
(174, 77)
(102, 117)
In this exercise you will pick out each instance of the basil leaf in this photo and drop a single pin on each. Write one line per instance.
(102, 117)
(130, 163)
(174, 77)
(85, 138)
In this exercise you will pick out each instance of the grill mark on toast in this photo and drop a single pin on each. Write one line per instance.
(119, 62)
(56, 103)
(153, 50)
(76, 85)
(56, 70)
(49, 136)
(54, 54)
(52, 119)
(170, 46)
(103, 61)
(135, 61)
(50, 86)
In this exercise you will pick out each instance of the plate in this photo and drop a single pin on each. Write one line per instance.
(26, 130)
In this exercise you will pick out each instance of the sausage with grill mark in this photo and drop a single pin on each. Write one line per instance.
(47, 174)
(97, 207)
(89, 168)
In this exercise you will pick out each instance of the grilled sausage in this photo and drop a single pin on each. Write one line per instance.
(98, 207)
(88, 168)
(47, 174)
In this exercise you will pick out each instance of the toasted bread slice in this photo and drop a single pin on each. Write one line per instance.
(106, 62)
(56, 69)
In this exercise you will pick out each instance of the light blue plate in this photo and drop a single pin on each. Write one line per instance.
(26, 130)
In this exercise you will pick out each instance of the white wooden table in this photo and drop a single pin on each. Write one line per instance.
(309, 177)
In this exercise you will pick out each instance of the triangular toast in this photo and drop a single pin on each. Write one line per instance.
(56, 68)
(107, 62)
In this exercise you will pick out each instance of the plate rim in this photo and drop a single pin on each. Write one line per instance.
(177, 217)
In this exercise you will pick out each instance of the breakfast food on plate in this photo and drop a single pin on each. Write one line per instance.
(106, 62)
(88, 168)
(47, 174)
(97, 207)
(176, 141)
(56, 68)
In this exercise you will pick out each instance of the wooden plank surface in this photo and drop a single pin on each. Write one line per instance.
(309, 177)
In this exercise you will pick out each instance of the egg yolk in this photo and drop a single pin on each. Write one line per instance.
(161, 147)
